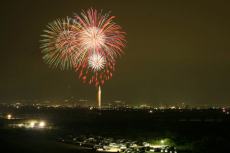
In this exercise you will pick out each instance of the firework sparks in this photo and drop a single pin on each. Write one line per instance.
(98, 33)
(101, 41)
(92, 38)
(57, 44)
(96, 62)
(89, 43)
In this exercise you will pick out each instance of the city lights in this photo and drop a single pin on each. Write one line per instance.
(42, 124)
(31, 124)
(9, 116)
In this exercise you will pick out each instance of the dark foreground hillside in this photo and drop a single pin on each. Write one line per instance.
(197, 131)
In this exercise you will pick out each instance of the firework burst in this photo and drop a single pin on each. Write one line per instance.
(96, 62)
(57, 44)
(90, 43)
(101, 41)
(98, 33)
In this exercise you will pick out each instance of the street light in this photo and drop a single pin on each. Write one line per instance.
(9, 116)
(42, 124)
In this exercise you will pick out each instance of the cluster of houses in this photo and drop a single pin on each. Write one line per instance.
(101, 144)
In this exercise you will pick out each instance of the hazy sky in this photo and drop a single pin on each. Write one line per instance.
(178, 51)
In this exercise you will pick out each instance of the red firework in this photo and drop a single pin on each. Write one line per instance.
(100, 42)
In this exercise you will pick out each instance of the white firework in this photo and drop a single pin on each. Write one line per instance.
(92, 38)
(96, 62)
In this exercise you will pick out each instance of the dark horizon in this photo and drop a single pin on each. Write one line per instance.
(176, 52)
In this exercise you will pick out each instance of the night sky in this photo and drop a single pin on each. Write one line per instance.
(177, 51)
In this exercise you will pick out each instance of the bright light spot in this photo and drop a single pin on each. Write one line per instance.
(20, 125)
(9, 116)
(162, 141)
(42, 124)
(32, 123)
